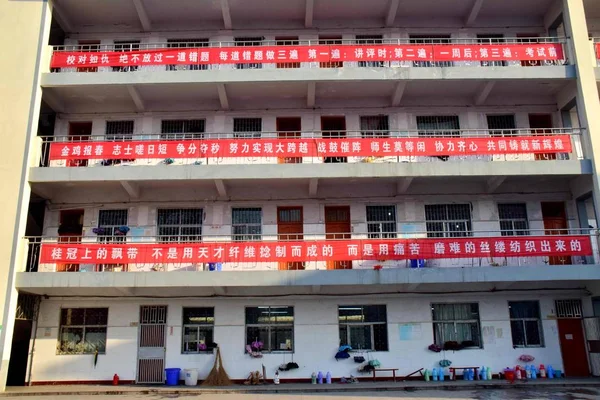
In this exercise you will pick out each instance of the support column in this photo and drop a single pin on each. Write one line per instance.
(588, 102)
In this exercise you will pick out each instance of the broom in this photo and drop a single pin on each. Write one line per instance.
(217, 375)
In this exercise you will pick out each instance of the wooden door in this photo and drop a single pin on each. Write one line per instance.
(70, 230)
(290, 227)
(333, 128)
(79, 132)
(337, 227)
(289, 128)
(541, 124)
(572, 347)
(555, 223)
(88, 46)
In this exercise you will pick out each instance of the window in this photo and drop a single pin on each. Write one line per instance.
(247, 42)
(438, 125)
(180, 225)
(122, 46)
(525, 323)
(189, 43)
(375, 126)
(109, 222)
(82, 330)
(381, 222)
(370, 39)
(198, 325)
(119, 131)
(180, 129)
(246, 224)
(431, 39)
(491, 39)
(513, 219)
(272, 326)
(247, 128)
(363, 327)
(448, 220)
(456, 323)
(501, 125)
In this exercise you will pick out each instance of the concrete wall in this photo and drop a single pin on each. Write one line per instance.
(316, 337)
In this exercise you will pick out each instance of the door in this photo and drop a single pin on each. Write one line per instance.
(541, 124)
(70, 230)
(330, 40)
(290, 227)
(79, 132)
(572, 347)
(151, 344)
(337, 226)
(524, 38)
(333, 128)
(555, 223)
(289, 128)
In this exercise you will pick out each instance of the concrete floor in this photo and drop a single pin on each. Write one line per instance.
(534, 393)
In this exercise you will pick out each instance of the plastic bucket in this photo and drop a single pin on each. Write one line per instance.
(172, 376)
(417, 263)
(509, 374)
(191, 376)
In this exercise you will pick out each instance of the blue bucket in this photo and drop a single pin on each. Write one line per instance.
(417, 263)
(172, 376)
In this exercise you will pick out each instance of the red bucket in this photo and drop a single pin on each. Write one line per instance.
(509, 374)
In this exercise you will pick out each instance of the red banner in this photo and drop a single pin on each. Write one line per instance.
(335, 250)
(318, 53)
(598, 51)
(310, 147)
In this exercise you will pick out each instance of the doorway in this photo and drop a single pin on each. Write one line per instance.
(333, 128)
(571, 337)
(70, 230)
(541, 124)
(331, 40)
(79, 132)
(337, 227)
(26, 315)
(290, 227)
(152, 344)
(524, 38)
(555, 223)
(289, 128)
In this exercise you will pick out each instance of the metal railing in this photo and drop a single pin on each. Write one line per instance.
(223, 156)
(427, 240)
(367, 63)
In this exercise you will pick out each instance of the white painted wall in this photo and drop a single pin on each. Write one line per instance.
(316, 337)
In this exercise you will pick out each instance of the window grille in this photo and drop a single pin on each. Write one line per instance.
(119, 131)
(247, 128)
(290, 215)
(198, 330)
(438, 125)
(27, 305)
(458, 322)
(366, 40)
(179, 225)
(363, 327)
(187, 43)
(448, 220)
(82, 330)
(287, 41)
(491, 39)
(249, 42)
(122, 46)
(525, 323)
(569, 309)
(109, 222)
(501, 125)
(431, 39)
(375, 126)
(513, 219)
(272, 326)
(381, 222)
(181, 129)
(246, 224)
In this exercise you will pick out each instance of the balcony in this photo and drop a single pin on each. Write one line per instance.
(372, 262)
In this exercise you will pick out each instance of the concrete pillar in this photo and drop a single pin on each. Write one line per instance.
(588, 102)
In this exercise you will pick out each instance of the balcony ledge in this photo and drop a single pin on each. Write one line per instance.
(322, 282)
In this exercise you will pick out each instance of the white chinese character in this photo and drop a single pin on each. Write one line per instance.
(462, 146)
(71, 60)
(399, 249)
(468, 53)
(188, 252)
(439, 146)
(387, 147)
(291, 147)
(398, 147)
(545, 246)
(258, 55)
(398, 53)
(353, 250)
(484, 247)
(502, 145)
(370, 53)
(470, 247)
(270, 55)
(249, 252)
(151, 149)
(265, 252)
(172, 253)
(245, 147)
(409, 146)
(358, 53)
(327, 250)
(233, 148)
(374, 146)
(514, 145)
(123, 59)
(356, 147)
(94, 59)
(194, 56)
(158, 57)
(483, 53)
(455, 248)
(535, 144)
(439, 248)
(368, 250)
(56, 253)
(541, 52)
(507, 53)
(312, 54)
(156, 253)
(87, 150)
(218, 253)
(268, 148)
(235, 56)
(547, 144)
(214, 148)
(421, 147)
(139, 149)
(146, 58)
(296, 251)
(65, 151)
(524, 145)
(530, 246)
(422, 53)
(128, 149)
(256, 148)
(415, 249)
(72, 254)
(101, 253)
(82, 59)
(473, 146)
(132, 253)
(321, 147)
(234, 252)
(117, 253)
(382, 53)
(135, 58)
(529, 51)
(500, 247)
(491, 145)
(162, 149)
(383, 250)
(247, 55)
(333, 147)
(104, 59)
(311, 251)
(76, 151)
(280, 251)
(204, 56)
(293, 54)
(515, 247)
(575, 245)
(192, 148)
(203, 252)
(558, 144)
(455, 53)
(181, 56)
(223, 56)
(560, 245)
(552, 52)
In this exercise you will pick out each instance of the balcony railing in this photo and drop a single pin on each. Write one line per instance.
(309, 54)
(596, 46)
(314, 251)
(313, 147)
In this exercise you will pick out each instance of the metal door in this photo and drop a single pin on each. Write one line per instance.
(571, 337)
(151, 344)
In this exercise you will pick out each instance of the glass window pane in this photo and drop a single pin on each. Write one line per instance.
(253, 313)
(198, 315)
(281, 338)
(95, 339)
(96, 316)
(380, 337)
(360, 337)
(71, 340)
(260, 334)
(375, 313)
(518, 333)
(343, 335)
(533, 334)
(72, 316)
(190, 339)
(524, 309)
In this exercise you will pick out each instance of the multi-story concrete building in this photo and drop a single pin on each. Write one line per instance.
(285, 177)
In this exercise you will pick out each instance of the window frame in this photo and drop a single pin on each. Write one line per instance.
(198, 326)
(513, 230)
(382, 232)
(455, 321)
(446, 232)
(186, 132)
(84, 328)
(269, 326)
(246, 237)
(524, 325)
(344, 325)
(179, 238)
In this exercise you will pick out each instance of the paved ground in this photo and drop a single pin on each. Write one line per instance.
(480, 394)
